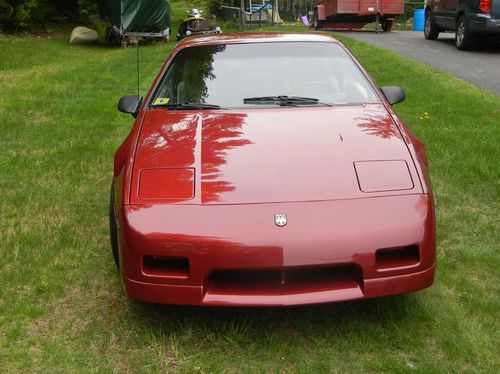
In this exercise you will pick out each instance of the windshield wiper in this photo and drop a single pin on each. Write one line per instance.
(181, 106)
(283, 100)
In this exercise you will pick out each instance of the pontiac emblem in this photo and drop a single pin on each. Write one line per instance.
(280, 220)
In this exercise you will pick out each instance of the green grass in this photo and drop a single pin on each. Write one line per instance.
(62, 308)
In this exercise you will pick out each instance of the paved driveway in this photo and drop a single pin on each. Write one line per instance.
(480, 67)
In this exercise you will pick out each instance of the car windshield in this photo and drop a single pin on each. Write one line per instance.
(263, 74)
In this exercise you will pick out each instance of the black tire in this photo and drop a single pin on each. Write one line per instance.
(464, 40)
(113, 233)
(431, 30)
(317, 24)
(386, 26)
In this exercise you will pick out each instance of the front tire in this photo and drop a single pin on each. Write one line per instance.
(431, 30)
(464, 40)
(113, 232)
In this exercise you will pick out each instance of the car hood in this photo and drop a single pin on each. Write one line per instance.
(270, 155)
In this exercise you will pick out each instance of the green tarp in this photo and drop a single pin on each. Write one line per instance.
(134, 15)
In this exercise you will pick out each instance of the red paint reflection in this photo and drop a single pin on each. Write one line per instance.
(173, 141)
(221, 132)
(191, 140)
(379, 125)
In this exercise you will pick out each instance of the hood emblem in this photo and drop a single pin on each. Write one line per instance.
(280, 220)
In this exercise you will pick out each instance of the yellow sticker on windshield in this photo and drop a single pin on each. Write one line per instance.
(161, 100)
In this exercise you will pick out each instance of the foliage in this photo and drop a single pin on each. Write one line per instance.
(15, 13)
(18, 15)
(88, 7)
(214, 6)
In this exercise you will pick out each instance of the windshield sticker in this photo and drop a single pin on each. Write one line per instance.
(161, 100)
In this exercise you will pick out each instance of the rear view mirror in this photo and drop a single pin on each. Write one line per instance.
(393, 94)
(130, 104)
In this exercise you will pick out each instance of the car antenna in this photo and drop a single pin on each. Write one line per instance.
(137, 57)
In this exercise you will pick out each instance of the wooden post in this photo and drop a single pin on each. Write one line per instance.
(272, 12)
(242, 5)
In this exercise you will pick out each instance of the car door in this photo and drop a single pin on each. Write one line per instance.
(438, 8)
(449, 13)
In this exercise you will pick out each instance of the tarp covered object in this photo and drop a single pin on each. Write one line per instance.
(133, 15)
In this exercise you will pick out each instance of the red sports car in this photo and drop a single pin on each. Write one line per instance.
(268, 169)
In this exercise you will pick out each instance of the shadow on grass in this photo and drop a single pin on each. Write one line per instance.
(377, 320)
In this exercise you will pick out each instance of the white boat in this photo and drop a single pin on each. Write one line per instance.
(83, 35)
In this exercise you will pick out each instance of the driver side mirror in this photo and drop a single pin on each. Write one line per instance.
(130, 104)
(393, 94)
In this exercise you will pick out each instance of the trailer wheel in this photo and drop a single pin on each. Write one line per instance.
(386, 25)
(317, 23)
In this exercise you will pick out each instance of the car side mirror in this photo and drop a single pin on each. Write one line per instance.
(393, 94)
(130, 104)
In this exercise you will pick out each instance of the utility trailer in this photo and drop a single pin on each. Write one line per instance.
(132, 20)
(354, 14)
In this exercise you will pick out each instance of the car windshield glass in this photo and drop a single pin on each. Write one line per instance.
(234, 75)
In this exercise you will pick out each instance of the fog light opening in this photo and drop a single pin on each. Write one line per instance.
(166, 266)
(400, 257)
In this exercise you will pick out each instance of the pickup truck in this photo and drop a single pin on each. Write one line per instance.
(471, 20)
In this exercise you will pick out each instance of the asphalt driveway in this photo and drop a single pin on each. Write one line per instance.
(480, 67)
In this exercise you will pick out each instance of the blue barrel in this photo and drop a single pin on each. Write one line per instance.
(418, 19)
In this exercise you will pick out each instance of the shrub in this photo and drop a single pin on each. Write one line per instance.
(16, 15)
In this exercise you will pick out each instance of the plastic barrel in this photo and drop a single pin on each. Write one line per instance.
(418, 19)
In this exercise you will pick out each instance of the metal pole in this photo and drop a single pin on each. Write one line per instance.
(404, 16)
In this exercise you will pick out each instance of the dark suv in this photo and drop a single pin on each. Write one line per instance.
(470, 19)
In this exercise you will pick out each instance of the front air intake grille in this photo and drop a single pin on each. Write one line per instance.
(394, 258)
(166, 266)
(285, 280)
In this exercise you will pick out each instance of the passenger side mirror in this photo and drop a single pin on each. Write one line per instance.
(393, 94)
(130, 104)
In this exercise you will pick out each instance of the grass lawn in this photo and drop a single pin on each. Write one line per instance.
(62, 308)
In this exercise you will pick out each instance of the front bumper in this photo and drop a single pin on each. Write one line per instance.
(235, 255)
(195, 295)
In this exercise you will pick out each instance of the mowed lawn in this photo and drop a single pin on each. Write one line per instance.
(62, 308)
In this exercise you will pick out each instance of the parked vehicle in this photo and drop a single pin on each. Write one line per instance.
(355, 14)
(471, 20)
(268, 169)
(195, 24)
(132, 20)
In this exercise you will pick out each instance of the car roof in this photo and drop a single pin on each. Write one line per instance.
(261, 37)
